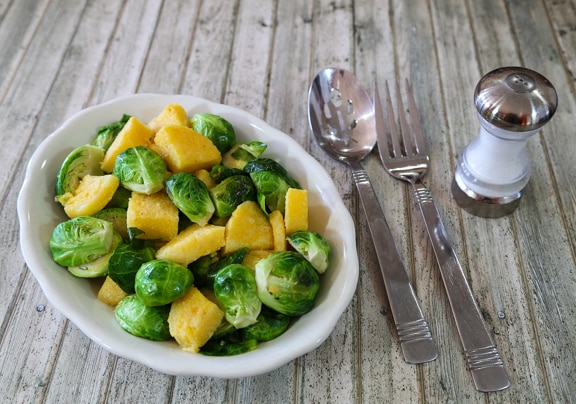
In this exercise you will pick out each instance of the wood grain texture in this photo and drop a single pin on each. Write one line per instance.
(57, 57)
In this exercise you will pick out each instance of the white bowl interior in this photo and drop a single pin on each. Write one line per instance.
(76, 298)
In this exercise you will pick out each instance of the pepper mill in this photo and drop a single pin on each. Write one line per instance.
(513, 103)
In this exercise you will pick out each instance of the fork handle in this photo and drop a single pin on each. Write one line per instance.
(416, 340)
(481, 354)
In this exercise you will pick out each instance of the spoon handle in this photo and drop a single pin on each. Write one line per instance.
(416, 340)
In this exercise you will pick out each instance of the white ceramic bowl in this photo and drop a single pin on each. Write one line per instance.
(76, 297)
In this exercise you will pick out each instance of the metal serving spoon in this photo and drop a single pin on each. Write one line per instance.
(341, 116)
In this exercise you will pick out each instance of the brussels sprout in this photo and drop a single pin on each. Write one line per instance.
(235, 289)
(140, 169)
(98, 267)
(81, 240)
(120, 198)
(191, 196)
(266, 164)
(225, 347)
(125, 263)
(272, 181)
(116, 216)
(215, 128)
(271, 189)
(232, 192)
(141, 320)
(159, 282)
(220, 172)
(313, 247)
(239, 155)
(287, 283)
(205, 269)
(84, 160)
(270, 325)
(226, 330)
(107, 134)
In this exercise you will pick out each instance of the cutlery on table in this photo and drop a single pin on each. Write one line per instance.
(341, 116)
(404, 155)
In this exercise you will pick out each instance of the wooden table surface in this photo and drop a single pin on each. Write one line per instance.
(58, 57)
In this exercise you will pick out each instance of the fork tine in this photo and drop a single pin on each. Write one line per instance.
(383, 139)
(394, 138)
(406, 133)
(415, 121)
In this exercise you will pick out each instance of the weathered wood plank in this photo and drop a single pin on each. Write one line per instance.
(127, 50)
(547, 216)
(170, 47)
(331, 45)
(209, 55)
(380, 352)
(21, 106)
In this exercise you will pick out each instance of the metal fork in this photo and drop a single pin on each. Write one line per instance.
(405, 156)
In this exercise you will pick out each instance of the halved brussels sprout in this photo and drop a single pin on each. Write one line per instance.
(98, 267)
(116, 216)
(205, 268)
(159, 282)
(235, 289)
(313, 246)
(267, 164)
(141, 320)
(217, 129)
(106, 134)
(242, 153)
(272, 181)
(140, 169)
(220, 172)
(191, 196)
(228, 347)
(81, 240)
(230, 193)
(287, 283)
(84, 160)
(120, 198)
(270, 325)
(271, 189)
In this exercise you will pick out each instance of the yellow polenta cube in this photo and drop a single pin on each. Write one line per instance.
(154, 215)
(92, 195)
(183, 149)
(278, 230)
(193, 319)
(192, 243)
(253, 256)
(110, 292)
(134, 133)
(173, 114)
(296, 210)
(204, 176)
(248, 227)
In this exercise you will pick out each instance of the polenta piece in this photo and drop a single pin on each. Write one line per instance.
(110, 292)
(134, 133)
(278, 230)
(193, 319)
(296, 210)
(192, 243)
(173, 114)
(154, 215)
(183, 149)
(204, 176)
(248, 227)
(91, 196)
(253, 256)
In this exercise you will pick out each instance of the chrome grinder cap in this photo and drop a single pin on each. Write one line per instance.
(515, 99)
